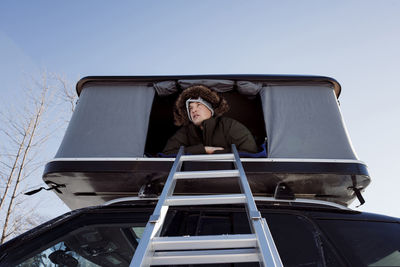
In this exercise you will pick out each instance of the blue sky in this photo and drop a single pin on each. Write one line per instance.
(355, 42)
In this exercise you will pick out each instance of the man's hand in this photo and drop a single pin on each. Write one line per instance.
(211, 149)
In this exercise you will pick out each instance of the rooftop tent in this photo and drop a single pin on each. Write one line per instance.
(112, 120)
(121, 123)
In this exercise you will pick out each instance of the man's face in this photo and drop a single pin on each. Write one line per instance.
(199, 113)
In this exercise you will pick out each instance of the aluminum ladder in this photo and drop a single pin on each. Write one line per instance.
(256, 247)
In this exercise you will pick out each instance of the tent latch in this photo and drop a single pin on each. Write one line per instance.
(52, 186)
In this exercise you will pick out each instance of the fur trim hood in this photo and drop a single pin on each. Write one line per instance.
(218, 103)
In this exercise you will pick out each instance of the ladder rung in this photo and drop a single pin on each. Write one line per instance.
(204, 242)
(206, 199)
(205, 256)
(206, 174)
(208, 157)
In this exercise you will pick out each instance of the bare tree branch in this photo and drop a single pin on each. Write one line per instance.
(30, 131)
(13, 168)
(67, 92)
(26, 127)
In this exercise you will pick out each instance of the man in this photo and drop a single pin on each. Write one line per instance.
(204, 130)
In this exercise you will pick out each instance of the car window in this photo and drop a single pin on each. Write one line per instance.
(365, 243)
(102, 245)
(299, 243)
(57, 255)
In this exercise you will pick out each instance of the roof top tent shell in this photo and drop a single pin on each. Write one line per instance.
(121, 122)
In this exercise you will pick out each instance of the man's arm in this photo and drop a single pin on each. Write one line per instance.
(180, 139)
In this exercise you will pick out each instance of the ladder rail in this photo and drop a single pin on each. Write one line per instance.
(271, 243)
(154, 225)
(268, 252)
(245, 187)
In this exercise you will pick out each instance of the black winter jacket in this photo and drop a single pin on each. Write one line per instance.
(217, 132)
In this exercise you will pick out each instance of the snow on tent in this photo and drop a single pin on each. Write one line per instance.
(120, 124)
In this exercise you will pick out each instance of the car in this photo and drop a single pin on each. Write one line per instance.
(111, 171)
(306, 234)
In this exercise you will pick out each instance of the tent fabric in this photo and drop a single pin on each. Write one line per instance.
(304, 122)
(249, 88)
(301, 121)
(165, 88)
(109, 121)
(219, 86)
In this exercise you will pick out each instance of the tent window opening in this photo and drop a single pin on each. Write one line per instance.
(246, 110)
